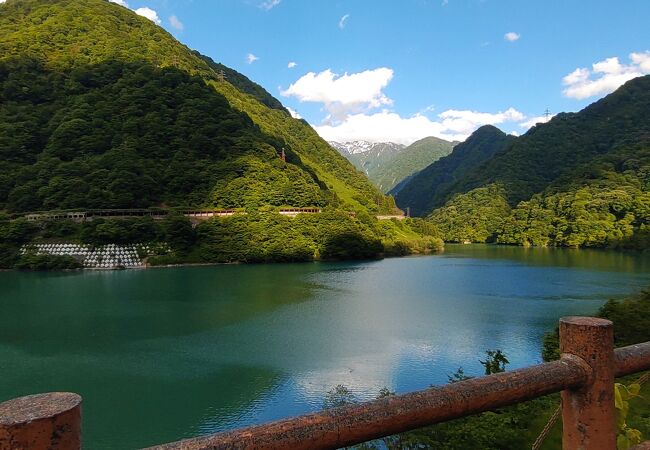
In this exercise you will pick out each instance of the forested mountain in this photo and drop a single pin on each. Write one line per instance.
(366, 148)
(430, 187)
(100, 107)
(388, 164)
(582, 179)
(555, 149)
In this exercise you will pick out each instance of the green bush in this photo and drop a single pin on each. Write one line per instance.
(41, 262)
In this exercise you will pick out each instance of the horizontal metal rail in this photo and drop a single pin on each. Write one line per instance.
(349, 425)
(631, 359)
(156, 213)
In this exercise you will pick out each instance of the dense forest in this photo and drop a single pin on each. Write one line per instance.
(123, 135)
(259, 236)
(89, 87)
(603, 204)
(581, 180)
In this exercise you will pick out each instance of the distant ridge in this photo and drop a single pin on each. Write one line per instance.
(388, 163)
(411, 160)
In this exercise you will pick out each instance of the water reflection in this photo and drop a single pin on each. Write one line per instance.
(591, 259)
(166, 354)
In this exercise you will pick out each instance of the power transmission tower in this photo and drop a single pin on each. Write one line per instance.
(547, 114)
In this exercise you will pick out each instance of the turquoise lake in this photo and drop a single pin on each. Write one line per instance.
(164, 354)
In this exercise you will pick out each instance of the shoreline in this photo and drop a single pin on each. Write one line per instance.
(451, 245)
(234, 263)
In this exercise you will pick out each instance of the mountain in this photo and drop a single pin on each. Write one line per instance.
(555, 149)
(430, 187)
(387, 163)
(411, 160)
(579, 180)
(102, 108)
(368, 157)
(366, 148)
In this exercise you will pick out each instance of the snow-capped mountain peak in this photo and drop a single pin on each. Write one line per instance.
(356, 147)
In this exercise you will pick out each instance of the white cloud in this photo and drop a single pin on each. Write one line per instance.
(292, 64)
(511, 36)
(176, 23)
(343, 21)
(294, 113)
(605, 76)
(642, 60)
(350, 98)
(465, 121)
(149, 14)
(250, 58)
(386, 126)
(269, 4)
(343, 94)
(532, 121)
(427, 109)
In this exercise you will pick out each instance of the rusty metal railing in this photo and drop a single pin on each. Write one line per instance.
(584, 374)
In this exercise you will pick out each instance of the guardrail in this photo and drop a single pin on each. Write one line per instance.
(584, 374)
(157, 213)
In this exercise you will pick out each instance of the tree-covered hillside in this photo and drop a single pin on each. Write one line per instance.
(605, 202)
(430, 187)
(582, 179)
(101, 107)
(555, 149)
(124, 135)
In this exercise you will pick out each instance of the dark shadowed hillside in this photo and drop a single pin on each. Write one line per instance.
(430, 187)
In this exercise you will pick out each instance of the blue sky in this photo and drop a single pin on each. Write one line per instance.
(420, 67)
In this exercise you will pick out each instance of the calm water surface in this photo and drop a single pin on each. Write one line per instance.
(164, 354)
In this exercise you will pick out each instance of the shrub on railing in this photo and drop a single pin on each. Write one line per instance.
(626, 435)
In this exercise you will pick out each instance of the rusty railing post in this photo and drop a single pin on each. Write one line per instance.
(588, 414)
(39, 422)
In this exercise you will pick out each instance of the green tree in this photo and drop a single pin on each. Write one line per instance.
(495, 362)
